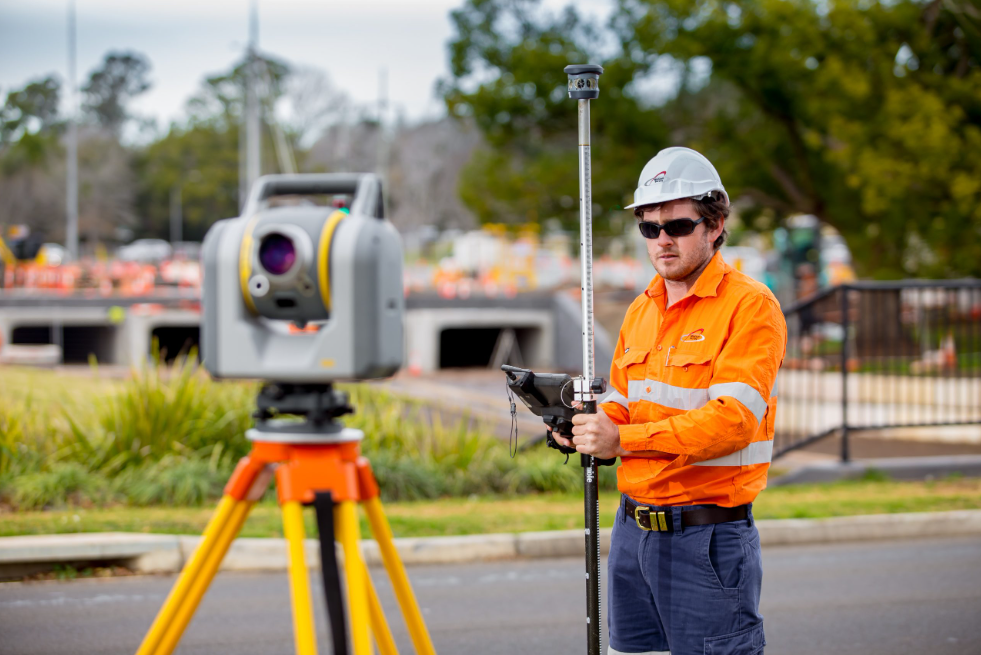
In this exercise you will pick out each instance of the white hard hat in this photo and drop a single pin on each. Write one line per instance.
(677, 173)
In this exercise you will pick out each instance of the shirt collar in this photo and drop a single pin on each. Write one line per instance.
(706, 285)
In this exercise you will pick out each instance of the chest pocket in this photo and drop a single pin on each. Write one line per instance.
(634, 363)
(688, 369)
(686, 358)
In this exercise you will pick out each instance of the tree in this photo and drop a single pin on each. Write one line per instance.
(32, 169)
(201, 156)
(121, 77)
(506, 65)
(202, 160)
(314, 104)
(29, 131)
(29, 123)
(867, 115)
(222, 96)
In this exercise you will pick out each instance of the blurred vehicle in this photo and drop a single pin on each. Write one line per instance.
(188, 251)
(150, 251)
(19, 249)
(53, 254)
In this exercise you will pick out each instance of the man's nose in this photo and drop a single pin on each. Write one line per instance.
(663, 240)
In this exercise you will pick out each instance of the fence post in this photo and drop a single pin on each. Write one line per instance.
(845, 455)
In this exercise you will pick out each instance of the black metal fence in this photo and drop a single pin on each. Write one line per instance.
(880, 356)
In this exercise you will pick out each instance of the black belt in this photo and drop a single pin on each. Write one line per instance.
(662, 521)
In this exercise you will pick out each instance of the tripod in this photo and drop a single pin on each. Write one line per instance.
(315, 461)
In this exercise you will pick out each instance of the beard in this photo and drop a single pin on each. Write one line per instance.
(682, 265)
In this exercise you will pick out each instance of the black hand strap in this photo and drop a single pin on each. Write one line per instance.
(324, 505)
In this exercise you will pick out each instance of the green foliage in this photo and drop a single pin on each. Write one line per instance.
(527, 174)
(867, 115)
(202, 160)
(29, 125)
(30, 110)
(163, 412)
(173, 480)
(221, 98)
(171, 435)
(874, 475)
(201, 156)
(121, 77)
(64, 483)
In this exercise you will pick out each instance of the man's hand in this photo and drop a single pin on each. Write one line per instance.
(593, 434)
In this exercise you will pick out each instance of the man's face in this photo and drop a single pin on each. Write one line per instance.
(676, 258)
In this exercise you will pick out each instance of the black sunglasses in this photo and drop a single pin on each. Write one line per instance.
(679, 227)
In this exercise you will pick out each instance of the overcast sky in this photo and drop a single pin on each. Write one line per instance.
(185, 40)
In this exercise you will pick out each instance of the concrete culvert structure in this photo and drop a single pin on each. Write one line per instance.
(176, 340)
(472, 347)
(78, 342)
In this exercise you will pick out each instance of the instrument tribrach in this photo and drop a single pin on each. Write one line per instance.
(278, 308)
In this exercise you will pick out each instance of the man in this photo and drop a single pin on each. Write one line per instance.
(690, 416)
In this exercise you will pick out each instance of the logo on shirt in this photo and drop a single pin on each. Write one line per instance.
(693, 336)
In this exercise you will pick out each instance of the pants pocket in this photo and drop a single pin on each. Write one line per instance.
(724, 555)
(745, 642)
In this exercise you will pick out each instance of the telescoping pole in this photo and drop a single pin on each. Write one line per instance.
(583, 87)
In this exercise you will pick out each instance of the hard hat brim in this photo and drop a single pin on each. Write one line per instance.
(668, 197)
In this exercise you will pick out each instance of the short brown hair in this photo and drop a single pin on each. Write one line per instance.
(714, 208)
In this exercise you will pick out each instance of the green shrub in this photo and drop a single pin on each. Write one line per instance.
(171, 434)
(160, 412)
(65, 483)
(172, 480)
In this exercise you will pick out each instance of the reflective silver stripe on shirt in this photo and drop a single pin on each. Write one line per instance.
(687, 399)
(667, 395)
(745, 394)
(616, 397)
(613, 651)
(758, 452)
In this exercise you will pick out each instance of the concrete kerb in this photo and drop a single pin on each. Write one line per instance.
(896, 468)
(167, 553)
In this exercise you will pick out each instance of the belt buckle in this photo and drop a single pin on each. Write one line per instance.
(638, 512)
(658, 520)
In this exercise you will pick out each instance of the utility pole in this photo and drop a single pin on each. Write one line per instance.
(253, 134)
(382, 155)
(176, 214)
(71, 165)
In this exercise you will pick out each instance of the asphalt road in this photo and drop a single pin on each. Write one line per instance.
(918, 596)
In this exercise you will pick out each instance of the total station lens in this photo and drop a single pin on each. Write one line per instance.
(277, 254)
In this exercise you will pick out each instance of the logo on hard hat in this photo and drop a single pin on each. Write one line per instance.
(657, 178)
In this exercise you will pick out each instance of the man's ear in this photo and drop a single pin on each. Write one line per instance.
(717, 232)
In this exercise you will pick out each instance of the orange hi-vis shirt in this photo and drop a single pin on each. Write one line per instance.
(694, 381)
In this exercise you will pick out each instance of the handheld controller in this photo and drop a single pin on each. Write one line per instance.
(550, 396)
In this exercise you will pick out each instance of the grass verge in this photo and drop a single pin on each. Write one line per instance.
(460, 516)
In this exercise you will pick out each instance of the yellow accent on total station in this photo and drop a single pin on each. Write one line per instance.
(323, 256)
(245, 264)
(327, 363)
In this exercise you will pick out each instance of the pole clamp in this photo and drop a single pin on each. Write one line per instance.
(588, 393)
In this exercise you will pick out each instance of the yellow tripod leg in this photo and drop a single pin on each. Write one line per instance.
(400, 581)
(379, 626)
(187, 577)
(348, 533)
(223, 540)
(303, 630)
